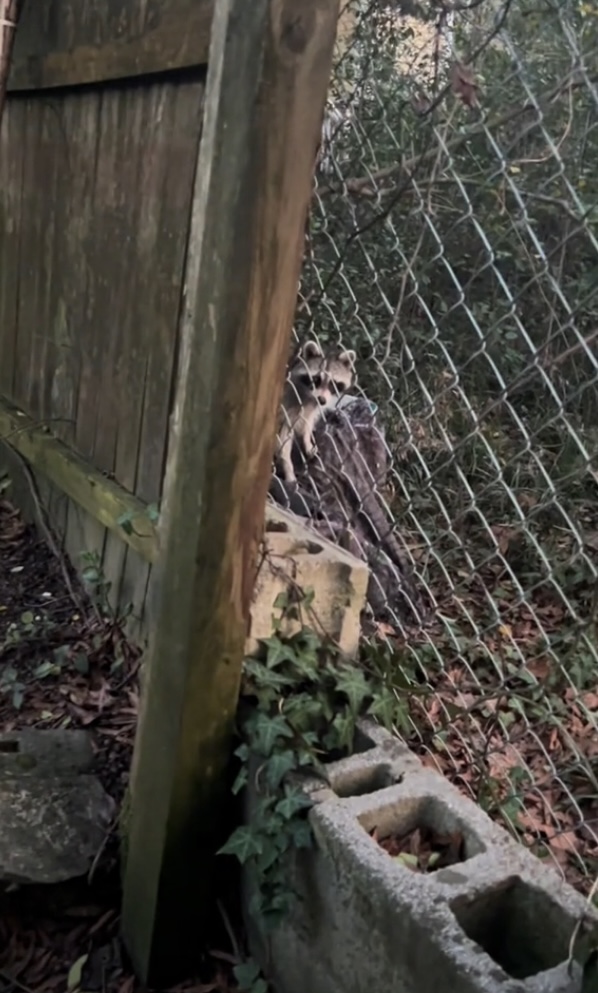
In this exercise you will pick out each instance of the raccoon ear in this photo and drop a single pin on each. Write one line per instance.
(311, 350)
(348, 357)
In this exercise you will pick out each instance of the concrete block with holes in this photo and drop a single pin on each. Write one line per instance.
(499, 921)
(293, 559)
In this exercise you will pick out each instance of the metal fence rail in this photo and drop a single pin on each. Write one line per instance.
(453, 243)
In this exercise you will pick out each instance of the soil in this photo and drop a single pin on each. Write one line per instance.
(65, 662)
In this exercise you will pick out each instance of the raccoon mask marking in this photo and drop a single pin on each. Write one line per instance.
(314, 382)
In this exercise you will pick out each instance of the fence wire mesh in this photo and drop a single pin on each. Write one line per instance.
(453, 244)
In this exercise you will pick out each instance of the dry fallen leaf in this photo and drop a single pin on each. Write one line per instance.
(463, 84)
(424, 850)
(565, 841)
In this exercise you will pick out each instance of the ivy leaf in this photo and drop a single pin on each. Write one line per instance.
(267, 730)
(354, 685)
(277, 652)
(307, 639)
(246, 974)
(263, 676)
(301, 833)
(306, 645)
(305, 757)
(293, 801)
(240, 782)
(244, 844)
(282, 600)
(344, 725)
(275, 909)
(270, 855)
(310, 738)
(307, 665)
(384, 708)
(304, 711)
(261, 906)
(277, 767)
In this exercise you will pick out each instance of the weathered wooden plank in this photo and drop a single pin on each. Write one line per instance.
(67, 43)
(94, 209)
(101, 497)
(63, 314)
(268, 72)
(10, 11)
(78, 115)
(43, 192)
(12, 141)
(171, 123)
(117, 196)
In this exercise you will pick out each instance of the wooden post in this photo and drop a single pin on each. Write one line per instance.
(268, 74)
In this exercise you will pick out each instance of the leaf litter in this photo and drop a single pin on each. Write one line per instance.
(64, 663)
(510, 713)
(423, 849)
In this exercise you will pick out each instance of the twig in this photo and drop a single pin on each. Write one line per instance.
(561, 204)
(358, 183)
(100, 851)
(239, 957)
(15, 982)
(537, 365)
(423, 230)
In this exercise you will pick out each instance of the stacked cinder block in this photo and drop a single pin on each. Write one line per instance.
(295, 559)
(501, 920)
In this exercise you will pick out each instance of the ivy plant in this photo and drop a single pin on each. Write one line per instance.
(301, 701)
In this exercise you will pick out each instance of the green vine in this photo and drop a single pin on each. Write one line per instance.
(301, 700)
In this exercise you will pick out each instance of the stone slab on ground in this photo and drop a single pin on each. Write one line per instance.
(54, 814)
(37, 752)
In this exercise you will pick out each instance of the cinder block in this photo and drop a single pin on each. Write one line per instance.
(295, 559)
(498, 922)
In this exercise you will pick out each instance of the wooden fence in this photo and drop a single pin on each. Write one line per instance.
(152, 210)
(97, 184)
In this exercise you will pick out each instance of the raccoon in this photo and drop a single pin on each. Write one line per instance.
(314, 382)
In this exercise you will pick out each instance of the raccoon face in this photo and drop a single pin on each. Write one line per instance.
(322, 378)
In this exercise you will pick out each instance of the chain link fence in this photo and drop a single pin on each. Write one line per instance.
(453, 243)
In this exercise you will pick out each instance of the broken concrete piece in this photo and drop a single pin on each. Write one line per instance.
(295, 559)
(53, 816)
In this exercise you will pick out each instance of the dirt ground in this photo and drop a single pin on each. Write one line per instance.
(64, 662)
